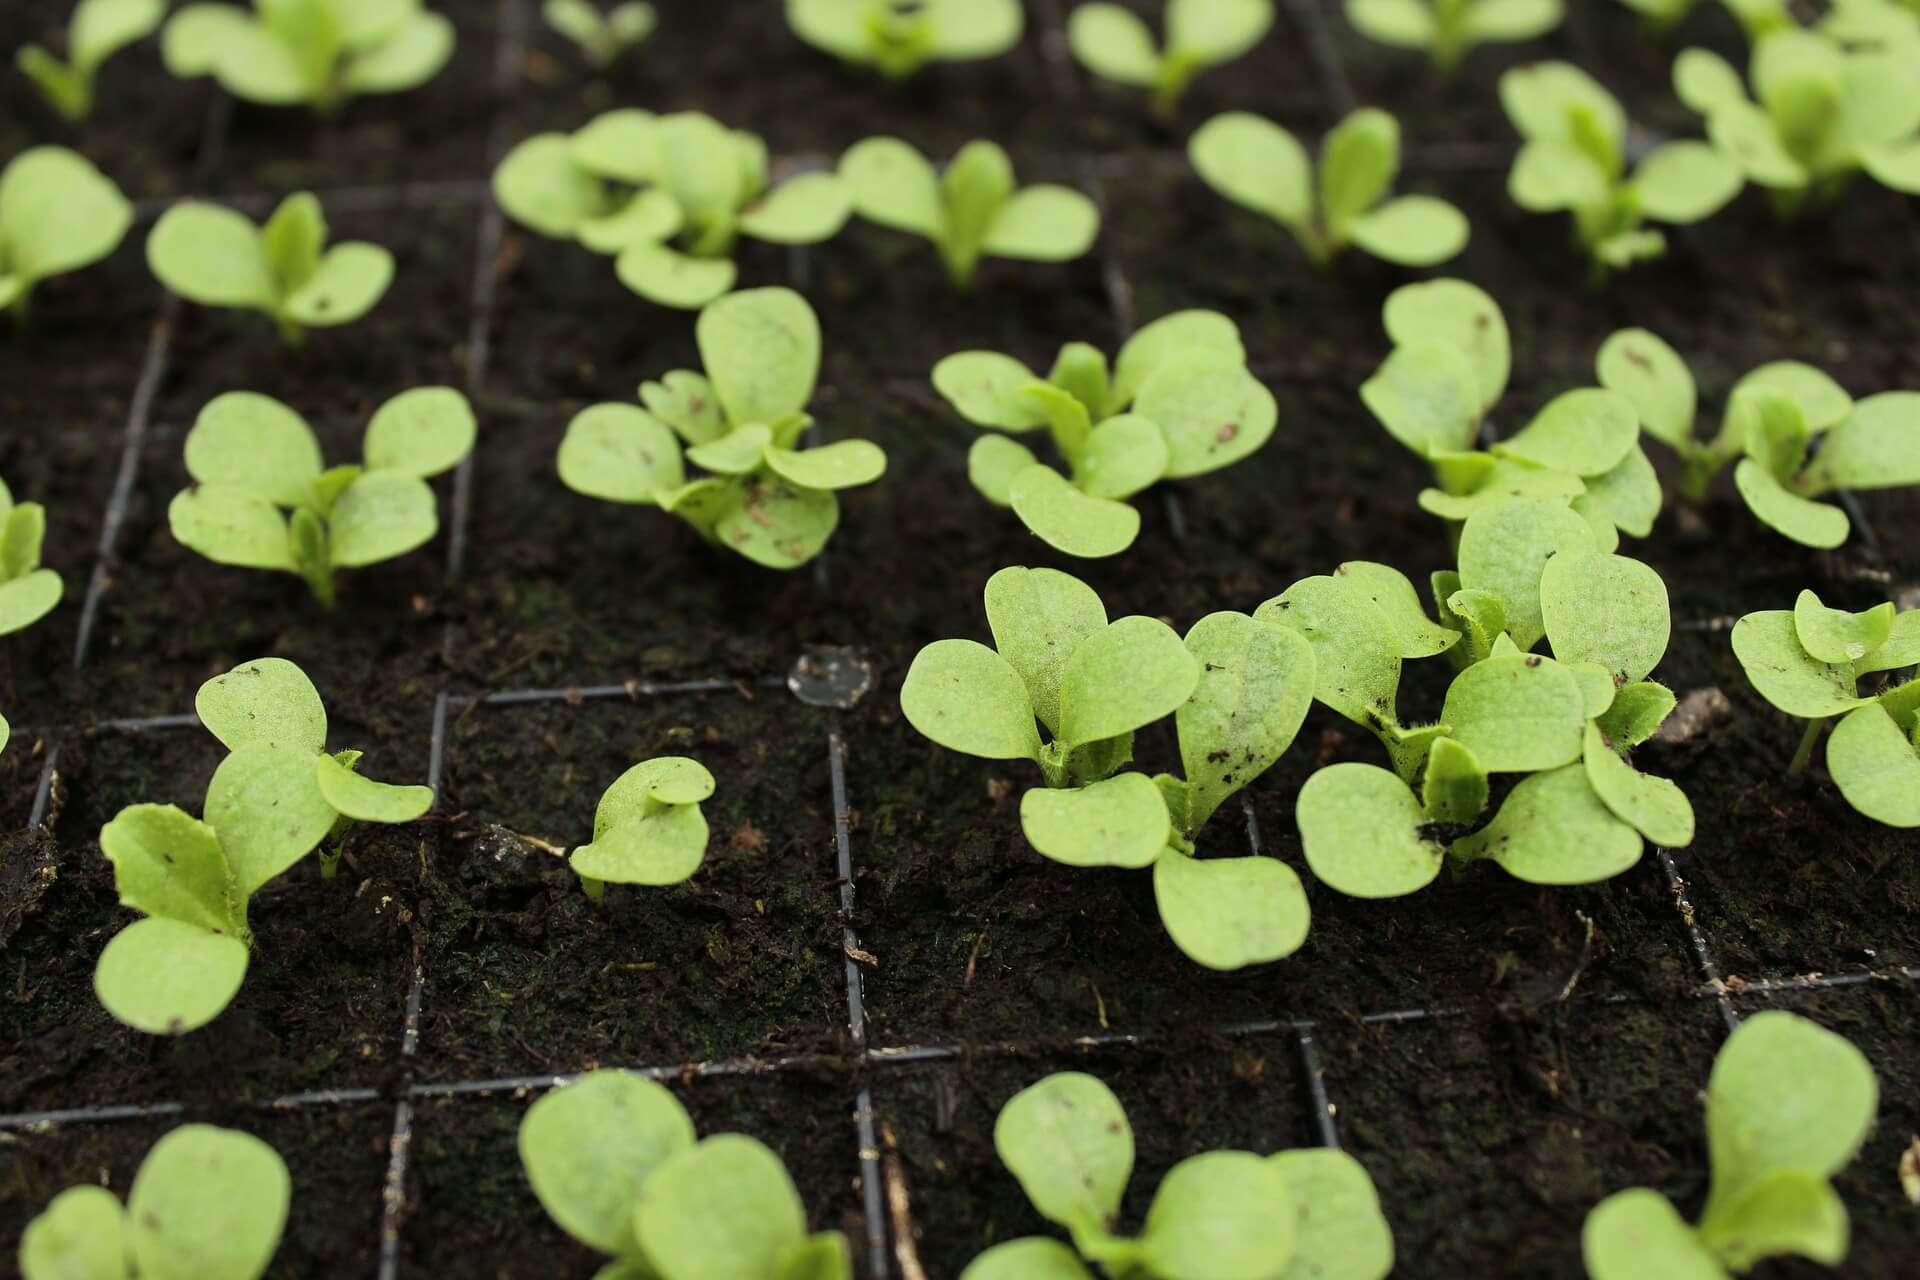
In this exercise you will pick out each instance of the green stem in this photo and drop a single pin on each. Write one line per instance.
(320, 582)
(1804, 752)
(330, 863)
(596, 890)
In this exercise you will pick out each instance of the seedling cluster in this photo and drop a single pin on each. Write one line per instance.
(766, 496)
(1177, 402)
(602, 38)
(1449, 29)
(648, 828)
(317, 53)
(898, 37)
(97, 30)
(28, 592)
(1112, 42)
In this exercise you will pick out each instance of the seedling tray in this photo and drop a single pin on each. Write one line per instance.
(872, 960)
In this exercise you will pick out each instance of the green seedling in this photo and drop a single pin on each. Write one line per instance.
(28, 592)
(97, 30)
(764, 497)
(602, 38)
(57, 214)
(1824, 112)
(667, 196)
(206, 1203)
(1449, 29)
(1871, 23)
(6, 733)
(1797, 434)
(614, 1161)
(272, 801)
(318, 52)
(1446, 372)
(1114, 43)
(1179, 402)
(1237, 691)
(1809, 661)
(1529, 569)
(1257, 164)
(648, 828)
(261, 499)
(1574, 161)
(898, 37)
(218, 257)
(974, 211)
(1789, 1104)
(1758, 18)
(1220, 1215)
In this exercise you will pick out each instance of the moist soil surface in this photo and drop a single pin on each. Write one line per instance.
(1549, 1045)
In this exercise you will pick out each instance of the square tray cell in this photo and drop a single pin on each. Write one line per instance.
(468, 1197)
(335, 1156)
(324, 995)
(1181, 1098)
(525, 975)
(1491, 1140)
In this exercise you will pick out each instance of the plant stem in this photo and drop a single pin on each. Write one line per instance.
(1804, 752)
(596, 890)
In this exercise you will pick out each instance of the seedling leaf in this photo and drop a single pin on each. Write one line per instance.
(724, 1209)
(1876, 766)
(1642, 367)
(1039, 617)
(1128, 675)
(1213, 411)
(266, 804)
(589, 1147)
(268, 701)
(1606, 609)
(1638, 1233)
(167, 977)
(1063, 517)
(1339, 1232)
(1517, 713)
(1067, 1141)
(1222, 1215)
(1768, 647)
(1553, 829)
(969, 699)
(1117, 822)
(1505, 549)
(1256, 684)
(1032, 1257)
(1360, 828)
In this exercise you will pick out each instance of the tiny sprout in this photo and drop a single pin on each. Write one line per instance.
(1255, 163)
(974, 210)
(1797, 434)
(1220, 1215)
(252, 459)
(207, 1203)
(217, 257)
(1238, 692)
(1574, 160)
(614, 1160)
(1808, 662)
(57, 214)
(1179, 402)
(667, 196)
(648, 828)
(320, 52)
(898, 37)
(1789, 1104)
(1449, 367)
(28, 593)
(1114, 43)
(98, 30)
(1449, 29)
(1529, 569)
(603, 38)
(1758, 18)
(1825, 112)
(741, 421)
(271, 802)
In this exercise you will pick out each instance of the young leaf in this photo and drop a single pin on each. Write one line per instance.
(1517, 713)
(1399, 602)
(969, 699)
(1067, 1141)
(169, 865)
(80, 1235)
(1414, 231)
(619, 453)
(255, 444)
(1117, 822)
(207, 1202)
(1125, 676)
(1038, 618)
(57, 214)
(986, 389)
(806, 209)
(1553, 829)
(724, 1209)
(1605, 609)
(167, 977)
(1454, 789)
(1637, 710)
(1785, 674)
(1643, 368)
(1877, 446)
(1043, 223)
(1031, 1257)
(1257, 164)
(1361, 831)
(1256, 683)
(1638, 1233)
(266, 804)
(1585, 432)
(421, 432)
(1876, 766)
(1123, 455)
(1505, 549)
(363, 799)
(268, 701)
(383, 514)
(589, 1147)
(1339, 1232)
(1222, 1215)
(1427, 395)
(761, 349)
(1227, 913)
(1457, 314)
(1657, 808)
(659, 849)
(542, 184)
(674, 279)
(1356, 648)
(1785, 1212)
(1114, 44)
(844, 464)
(1063, 517)
(1836, 636)
(1206, 333)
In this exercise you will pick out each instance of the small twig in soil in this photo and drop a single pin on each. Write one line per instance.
(973, 958)
(899, 1208)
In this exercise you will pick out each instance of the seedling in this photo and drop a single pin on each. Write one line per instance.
(763, 497)
(898, 37)
(1449, 368)
(208, 1203)
(271, 802)
(1220, 1215)
(98, 30)
(6, 733)
(1179, 402)
(217, 257)
(57, 214)
(1759, 18)
(320, 52)
(1797, 434)
(1449, 29)
(28, 593)
(614, 1161)
(648, 828)
(1257, 164)
(1237, 691)
(1825, 112)
(667, 196)
(1574, 161)
(1114, 43)
(974, 210)
(1529, 569)
(603, 38)
(1808, 662)
(261, 500)
(1788, 1105)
